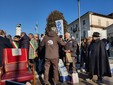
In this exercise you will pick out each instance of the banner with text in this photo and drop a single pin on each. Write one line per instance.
(60, 27)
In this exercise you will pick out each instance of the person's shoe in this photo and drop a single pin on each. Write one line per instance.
(37, 76)
(78, 71)
(42, 75)
(58, 83)
(35, 72)
(99, 81)
(65, 83)
(83, 70)
(47, 84)
(88, 79)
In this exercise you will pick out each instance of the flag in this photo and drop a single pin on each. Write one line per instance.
(36, 26)
(60, 27)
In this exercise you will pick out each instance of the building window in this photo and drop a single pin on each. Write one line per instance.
(84, 22)
(71, 28)
(77, 35)
(71, 33)
(99, 22)
(84, 34)
(107, 23)
(76, 27)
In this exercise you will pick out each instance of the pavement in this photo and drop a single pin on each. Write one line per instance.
(82, 79)
(83, 76)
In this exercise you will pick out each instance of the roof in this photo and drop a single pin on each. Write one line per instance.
(93, 13)
(107, 16)
(109, 26)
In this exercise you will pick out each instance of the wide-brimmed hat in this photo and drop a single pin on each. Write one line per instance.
(96, 34)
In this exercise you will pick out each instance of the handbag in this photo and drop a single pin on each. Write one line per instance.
(63, 72)
(75, 78)
(69, 58)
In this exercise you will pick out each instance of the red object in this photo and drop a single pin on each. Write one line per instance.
(15, 67)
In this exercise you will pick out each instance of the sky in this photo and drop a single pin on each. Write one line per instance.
(28, 13)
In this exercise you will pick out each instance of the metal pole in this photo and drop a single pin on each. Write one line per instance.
(79, 30)
(79, 22)
(36, 31)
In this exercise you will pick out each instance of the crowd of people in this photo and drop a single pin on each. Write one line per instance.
(45, 52)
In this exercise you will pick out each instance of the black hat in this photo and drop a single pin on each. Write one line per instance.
(96, 34)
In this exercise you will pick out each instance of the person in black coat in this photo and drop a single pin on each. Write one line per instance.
(98, 59)
(24, 41)
(61, 52)
(83, 53)
(4, 43)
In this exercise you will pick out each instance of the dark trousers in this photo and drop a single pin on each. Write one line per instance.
(33, 62)
(36, 64)
(74, 64)
(40, 66)
(48, 63)
(83, 59)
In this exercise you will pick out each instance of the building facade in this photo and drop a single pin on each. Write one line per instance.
(109, 31)
(90, 22)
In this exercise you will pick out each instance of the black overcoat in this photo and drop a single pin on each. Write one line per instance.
(4, 43)
(24, 42)
(98, 59)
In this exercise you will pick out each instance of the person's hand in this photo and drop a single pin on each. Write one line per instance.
(27, 83)
(35, 53)
(0, 71)
(67, 51)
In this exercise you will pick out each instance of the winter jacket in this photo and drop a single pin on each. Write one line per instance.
(51, 41)
(71, 45)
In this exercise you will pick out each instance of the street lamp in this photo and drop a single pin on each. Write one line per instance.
(79, 22)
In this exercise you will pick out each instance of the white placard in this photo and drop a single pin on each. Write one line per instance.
(60, 27)
(16, 52)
